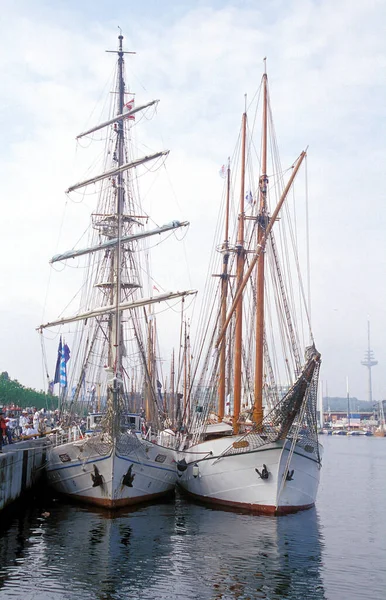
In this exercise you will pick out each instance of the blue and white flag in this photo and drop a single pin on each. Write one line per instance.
(63, 366)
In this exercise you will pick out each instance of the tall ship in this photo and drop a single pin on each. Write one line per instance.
(126, 455)
(249, 439)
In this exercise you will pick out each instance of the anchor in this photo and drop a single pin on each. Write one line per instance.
(129, 477)
(96, 477)
(264, 472)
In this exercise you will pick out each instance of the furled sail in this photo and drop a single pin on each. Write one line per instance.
(103, 310)
(115, 241)
(125, 115)
(117, 170)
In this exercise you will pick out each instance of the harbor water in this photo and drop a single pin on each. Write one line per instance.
(55, 550)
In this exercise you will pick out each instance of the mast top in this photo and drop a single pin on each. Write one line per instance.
(120, 52)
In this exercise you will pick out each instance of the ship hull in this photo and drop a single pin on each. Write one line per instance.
(111, 475)
(235, 480)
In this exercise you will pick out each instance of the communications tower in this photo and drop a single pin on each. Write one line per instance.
(369, 361)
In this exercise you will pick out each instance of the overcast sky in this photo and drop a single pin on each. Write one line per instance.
(327, 71)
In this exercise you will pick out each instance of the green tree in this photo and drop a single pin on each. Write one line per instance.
(14, 393)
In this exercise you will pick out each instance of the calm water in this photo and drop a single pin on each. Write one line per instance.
(182, 550)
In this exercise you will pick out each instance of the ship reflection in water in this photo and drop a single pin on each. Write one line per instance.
(164, 551)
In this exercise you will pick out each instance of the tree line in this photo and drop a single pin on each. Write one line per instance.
(14, 393)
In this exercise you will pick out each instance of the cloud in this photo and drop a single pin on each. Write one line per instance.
(326, 64)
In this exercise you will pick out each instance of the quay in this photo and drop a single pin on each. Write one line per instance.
(21, 467)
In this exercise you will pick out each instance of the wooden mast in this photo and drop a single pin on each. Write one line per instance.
(172, 392)
(185, 375)
(224, 294)
(149, 377)
(262, 221)
(260, 249)
(239, 277)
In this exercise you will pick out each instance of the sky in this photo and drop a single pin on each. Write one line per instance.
(326, 63)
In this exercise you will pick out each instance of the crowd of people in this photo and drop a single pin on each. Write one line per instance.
(28, 423)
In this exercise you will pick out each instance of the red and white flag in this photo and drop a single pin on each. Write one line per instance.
(128, 107)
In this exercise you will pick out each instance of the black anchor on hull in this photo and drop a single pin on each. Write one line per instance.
(264, 472)
(128, 478)
(96, 477)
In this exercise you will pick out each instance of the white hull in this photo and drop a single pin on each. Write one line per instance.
(112, 475)
(233, 480)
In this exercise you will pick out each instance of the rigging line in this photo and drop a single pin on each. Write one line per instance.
(44, 360)
(173, 189)
(308, 247)
(180, 346)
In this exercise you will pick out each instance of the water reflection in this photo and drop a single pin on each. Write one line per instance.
(164, 551)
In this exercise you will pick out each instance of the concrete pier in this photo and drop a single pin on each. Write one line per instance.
(21, 466)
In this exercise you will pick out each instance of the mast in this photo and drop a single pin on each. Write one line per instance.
(185, 373)
(115, 322)
(150, 364)
(348, 404)
(262, 221)
(224, 293)
(239, 277)
(172, 398)
(260, 248)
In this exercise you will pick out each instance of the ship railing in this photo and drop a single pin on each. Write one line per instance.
(64, 436)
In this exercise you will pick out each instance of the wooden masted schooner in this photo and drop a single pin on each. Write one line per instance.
(249, 439)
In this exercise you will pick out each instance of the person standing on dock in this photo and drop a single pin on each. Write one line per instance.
(3, 430)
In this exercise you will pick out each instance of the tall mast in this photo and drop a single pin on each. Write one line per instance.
(239, 277)
(149, 369)
(119, 211)
(185, 374)
(172, 398)
(262, 221)
(115, 351)
(348, 404)
(224, 293)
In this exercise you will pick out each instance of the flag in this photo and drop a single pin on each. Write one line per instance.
(249, 197)
(51, 388)
(128, 107)
(63, 372)
(57, 368)
(155, 288)
(223, 172)
(63, 366)
(66, 353)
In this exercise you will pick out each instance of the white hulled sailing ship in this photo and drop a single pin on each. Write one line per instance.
(127, 457)
(249, 439)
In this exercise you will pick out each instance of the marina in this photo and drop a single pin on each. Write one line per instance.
(179, 549)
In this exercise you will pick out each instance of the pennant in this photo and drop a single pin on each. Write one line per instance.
(223, 172)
